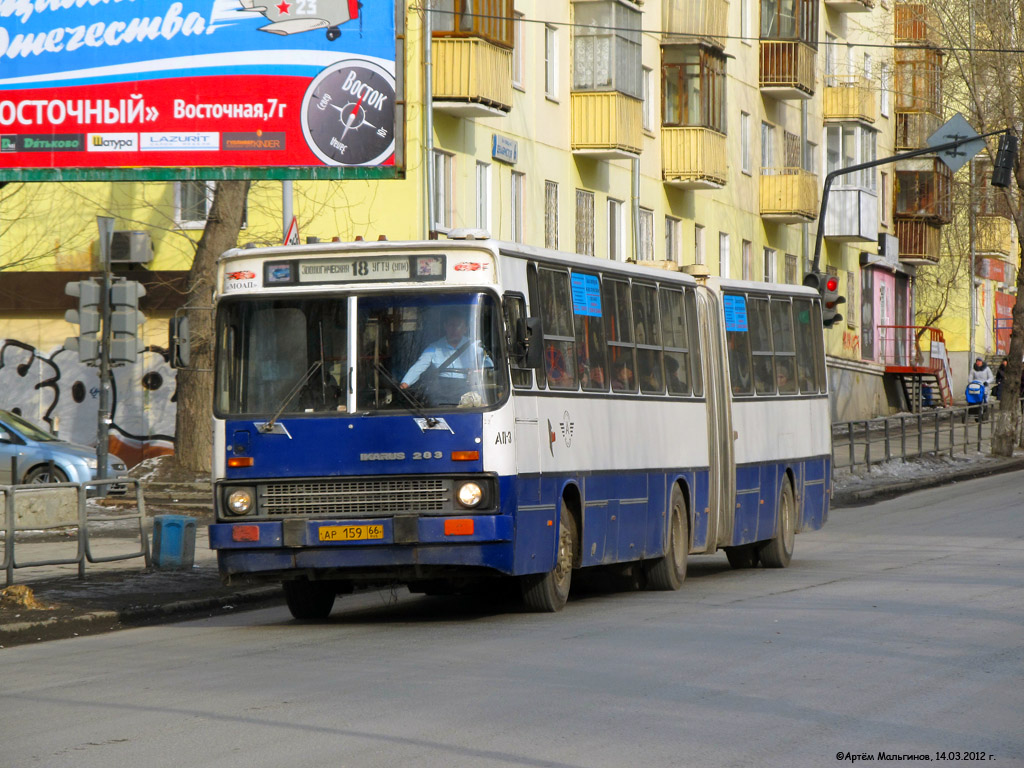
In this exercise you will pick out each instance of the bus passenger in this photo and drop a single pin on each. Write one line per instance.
(453, 358)
(622, 377)
(675, 384)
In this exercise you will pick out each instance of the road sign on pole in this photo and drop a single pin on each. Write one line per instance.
(956, 129)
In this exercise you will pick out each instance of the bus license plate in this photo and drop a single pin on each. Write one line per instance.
(351, 532)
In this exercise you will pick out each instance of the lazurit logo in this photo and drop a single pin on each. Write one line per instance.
(179, 142)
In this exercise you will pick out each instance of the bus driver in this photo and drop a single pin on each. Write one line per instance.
(455, 359)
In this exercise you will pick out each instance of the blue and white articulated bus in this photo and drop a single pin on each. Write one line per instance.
(440, 413)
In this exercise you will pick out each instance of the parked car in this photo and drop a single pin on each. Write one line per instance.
(44, 458)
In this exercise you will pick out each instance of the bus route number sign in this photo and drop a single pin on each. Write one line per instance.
(354, 270)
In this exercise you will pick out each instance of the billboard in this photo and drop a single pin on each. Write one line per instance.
(306, 87)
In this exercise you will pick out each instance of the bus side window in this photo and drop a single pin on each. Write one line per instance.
(590, 339)
(618, 326)
(532, 284)
(808, 324)
(738, 342)
(782, 340)
(693, 331)
(559, 337)
(648, 339)
(677, 356)
(761, 346)
(515, 314)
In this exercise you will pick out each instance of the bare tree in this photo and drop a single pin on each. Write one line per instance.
(985, 74)
(193, 427)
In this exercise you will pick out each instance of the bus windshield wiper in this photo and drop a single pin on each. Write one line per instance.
(268, 426)
(415, 406)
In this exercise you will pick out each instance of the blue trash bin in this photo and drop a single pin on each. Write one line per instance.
(174, 541)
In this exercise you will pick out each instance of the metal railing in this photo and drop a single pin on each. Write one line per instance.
(943, 431)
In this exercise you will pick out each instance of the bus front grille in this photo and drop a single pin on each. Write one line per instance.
(358, 498)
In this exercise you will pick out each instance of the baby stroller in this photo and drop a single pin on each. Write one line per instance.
(976, 396)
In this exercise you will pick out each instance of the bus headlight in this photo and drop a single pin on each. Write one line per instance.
(239, 501)
(470, 495)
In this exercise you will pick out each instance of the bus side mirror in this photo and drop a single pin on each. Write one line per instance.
(528, 342)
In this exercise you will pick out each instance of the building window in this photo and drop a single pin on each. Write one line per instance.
(849, 144)
(443, 180)
(493, 20)
(693, 87)
(192, 202)
(606, 47)
(745, 143)
(516, 198)
(648, 109)
(769, 265)
(747, 251)
(551, 214)
(884, 198)
(645, 224)
(851, 295)
(830, 60)
(698, 244)
(745, 21)
(483, 196)
(790, 20)
(723, 254)
(884, 77)
(550, 61)
(518, 77)
(791, 275)
(584, 222)
(615, 230)
(673, 227)
(767, 145)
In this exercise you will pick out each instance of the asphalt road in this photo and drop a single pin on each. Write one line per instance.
(898, 629)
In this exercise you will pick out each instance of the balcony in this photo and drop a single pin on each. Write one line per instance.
(852, 215)
(996, 236)
(850, 98)
(787, 69)
(693, 157)
(695, 21)
(919, 241)
(472, 77)
(850, 6)
(924, 190)
(917, 24)
(606, 125)
(914, 128)
(788, 195)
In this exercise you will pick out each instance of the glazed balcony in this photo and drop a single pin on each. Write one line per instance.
(924, 190)
(787, 69)
(850, 98)
(919, 241)
(852, 215)
(995, 236)
(850, 6)
(917, 24)
(606, 125)
(693, 157)
(788, 195)
(695, 21)
(472, 77)
(914, 128)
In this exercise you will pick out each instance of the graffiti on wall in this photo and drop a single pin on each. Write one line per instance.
(61, 392)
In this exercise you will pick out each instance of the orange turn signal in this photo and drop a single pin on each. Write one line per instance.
(240, 461)
(245, 533)
(458, 527)
(465, 455)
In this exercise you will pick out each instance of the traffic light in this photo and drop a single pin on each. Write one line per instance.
(87, 318)
(1006, 158)
(125, 319)
(827, 287)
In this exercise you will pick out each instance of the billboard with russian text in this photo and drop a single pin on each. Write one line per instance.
(307, 85)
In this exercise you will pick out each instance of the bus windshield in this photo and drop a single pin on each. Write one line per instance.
(411, 351)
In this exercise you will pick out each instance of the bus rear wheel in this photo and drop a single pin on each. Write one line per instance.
(778, 552)
(548, 592)
(667, 573)
(309, 600)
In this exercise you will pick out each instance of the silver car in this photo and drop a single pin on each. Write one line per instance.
(40, 457)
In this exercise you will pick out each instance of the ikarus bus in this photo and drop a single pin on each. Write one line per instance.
(442, 414)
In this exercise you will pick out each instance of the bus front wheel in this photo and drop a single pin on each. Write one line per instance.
(309, 600)
(667, 573)
(778, 552)
(548, 592)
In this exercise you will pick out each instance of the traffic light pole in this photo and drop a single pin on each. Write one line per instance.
(833, 175)
(106, 228)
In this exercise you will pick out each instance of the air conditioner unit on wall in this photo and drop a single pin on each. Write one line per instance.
(131, 247)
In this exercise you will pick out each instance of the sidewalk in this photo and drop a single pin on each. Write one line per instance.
(51, 602)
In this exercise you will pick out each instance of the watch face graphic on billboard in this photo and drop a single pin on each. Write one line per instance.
(348, 114)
